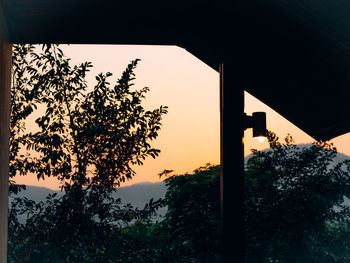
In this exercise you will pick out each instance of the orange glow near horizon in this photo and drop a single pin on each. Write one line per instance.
(190, 136)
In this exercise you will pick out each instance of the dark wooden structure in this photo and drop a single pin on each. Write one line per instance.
(292, 55)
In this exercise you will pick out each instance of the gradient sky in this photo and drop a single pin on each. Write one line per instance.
(190, 135)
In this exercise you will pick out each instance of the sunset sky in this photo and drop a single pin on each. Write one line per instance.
(190, 134)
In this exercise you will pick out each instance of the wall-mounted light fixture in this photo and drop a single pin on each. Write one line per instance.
(258, 122)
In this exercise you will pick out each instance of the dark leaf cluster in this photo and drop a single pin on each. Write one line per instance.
(294, 195)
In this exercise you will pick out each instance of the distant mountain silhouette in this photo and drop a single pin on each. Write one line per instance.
(339, 158)
(137, 194)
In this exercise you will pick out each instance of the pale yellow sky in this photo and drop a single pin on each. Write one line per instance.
(190, 135)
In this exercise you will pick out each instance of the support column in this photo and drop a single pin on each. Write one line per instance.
(5, 80)
(232, 163)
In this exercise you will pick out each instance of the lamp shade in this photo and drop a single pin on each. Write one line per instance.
(259, 124)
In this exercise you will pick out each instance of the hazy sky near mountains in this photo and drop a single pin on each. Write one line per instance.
(190, 135)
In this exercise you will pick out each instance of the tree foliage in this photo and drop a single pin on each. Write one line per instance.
(89, 141)
(193, 216)
(291, 193)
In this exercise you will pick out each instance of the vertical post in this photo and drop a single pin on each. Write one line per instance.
(5, 80)
(232, 164)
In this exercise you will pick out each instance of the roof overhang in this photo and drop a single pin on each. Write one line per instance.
(292, 55)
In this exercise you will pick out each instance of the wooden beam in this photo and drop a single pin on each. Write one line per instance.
(232, 163)
(5, 80)
(5, 96)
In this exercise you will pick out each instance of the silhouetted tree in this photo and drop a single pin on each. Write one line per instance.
(193, 220)
(89, 141)
(191, 229)
(290, 197)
